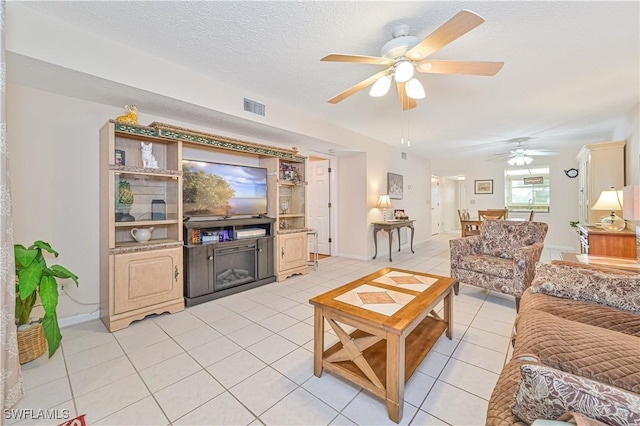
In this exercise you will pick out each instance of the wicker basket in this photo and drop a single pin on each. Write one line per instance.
(31, 343)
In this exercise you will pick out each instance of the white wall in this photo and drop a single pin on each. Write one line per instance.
(629, 130)
(416, 174)
(352, 204)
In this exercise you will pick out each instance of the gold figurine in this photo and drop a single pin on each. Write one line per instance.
(131, 116)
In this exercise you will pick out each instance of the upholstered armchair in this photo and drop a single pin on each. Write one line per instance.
(501, 258)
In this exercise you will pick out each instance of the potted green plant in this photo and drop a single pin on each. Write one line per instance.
(35, 279)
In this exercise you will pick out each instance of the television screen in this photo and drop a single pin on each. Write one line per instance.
(214, 189)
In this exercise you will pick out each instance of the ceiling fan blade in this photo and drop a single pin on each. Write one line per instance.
(336, 57)
(353, 89)
(497, 157)
(454, 28)
(405, 100)
(459, 67)
(543, 153)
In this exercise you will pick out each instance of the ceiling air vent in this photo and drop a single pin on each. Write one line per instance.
(254, 107)
(403, 155)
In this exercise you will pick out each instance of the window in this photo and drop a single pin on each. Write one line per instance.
(527, 189)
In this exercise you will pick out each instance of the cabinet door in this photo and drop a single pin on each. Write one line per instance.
(292, 251)
(265, 258)
(199, 270)
(147, 278)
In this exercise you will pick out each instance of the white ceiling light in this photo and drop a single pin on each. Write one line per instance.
(404, 71)
(414, 89)
(381, 86)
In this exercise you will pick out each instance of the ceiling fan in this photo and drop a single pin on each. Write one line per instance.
(522, 156)
(404, 54)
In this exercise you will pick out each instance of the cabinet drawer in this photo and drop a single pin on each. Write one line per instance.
(147, 278)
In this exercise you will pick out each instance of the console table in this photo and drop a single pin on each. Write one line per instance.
(389, 227)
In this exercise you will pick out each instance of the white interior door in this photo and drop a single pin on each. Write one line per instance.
(319, 195)
(435, 205)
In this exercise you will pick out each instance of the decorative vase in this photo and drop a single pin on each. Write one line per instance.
(122, 213)
(284, 206)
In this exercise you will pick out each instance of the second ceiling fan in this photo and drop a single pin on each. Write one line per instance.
(404, 54)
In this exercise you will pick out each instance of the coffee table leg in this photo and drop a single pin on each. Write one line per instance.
(448, 313)
(395, 376)
(318, 341)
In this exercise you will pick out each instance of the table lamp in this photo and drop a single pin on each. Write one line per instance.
(610, 200)
(384, 203)
(631, 210)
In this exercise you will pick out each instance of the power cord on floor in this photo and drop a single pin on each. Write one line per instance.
(75, 300)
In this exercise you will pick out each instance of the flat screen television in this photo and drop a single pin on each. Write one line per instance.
(215, 189)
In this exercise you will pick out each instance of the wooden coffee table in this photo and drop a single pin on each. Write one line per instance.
(396, 326)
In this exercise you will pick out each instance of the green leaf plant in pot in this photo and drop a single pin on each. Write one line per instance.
(35, 278)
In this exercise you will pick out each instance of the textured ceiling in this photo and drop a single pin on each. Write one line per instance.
(571, 68)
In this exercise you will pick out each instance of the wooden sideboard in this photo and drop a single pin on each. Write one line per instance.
(596, 241)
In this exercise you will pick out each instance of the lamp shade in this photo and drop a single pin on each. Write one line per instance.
(631, 206)
(384, 202)
(381, 86)
(404, 71)
(414, 89)
(609, 200)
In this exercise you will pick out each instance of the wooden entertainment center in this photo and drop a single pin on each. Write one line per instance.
(145, 265)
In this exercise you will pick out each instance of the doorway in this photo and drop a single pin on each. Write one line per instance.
(435, 205)
(319, 177)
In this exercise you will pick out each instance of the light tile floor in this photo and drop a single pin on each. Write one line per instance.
(247, 359)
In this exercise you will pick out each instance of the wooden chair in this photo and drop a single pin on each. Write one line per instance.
(493, 214)
(466, 228)
(531, 216)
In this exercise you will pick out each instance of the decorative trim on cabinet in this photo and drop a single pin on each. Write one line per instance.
(167, 131)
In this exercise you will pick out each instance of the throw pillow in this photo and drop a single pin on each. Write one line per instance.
(618, 290)
(547, 393)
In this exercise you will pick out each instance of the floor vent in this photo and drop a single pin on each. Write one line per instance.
(254, 107)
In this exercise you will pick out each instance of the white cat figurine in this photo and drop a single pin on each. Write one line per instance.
(148, 160)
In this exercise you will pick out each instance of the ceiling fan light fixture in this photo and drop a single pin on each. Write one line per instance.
(414, 89)
(381, 86)
(520, 160)
(404, 71)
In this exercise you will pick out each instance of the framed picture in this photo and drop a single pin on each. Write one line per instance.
(394, 186)
(400, 214)
(119, 158)
(483, 186)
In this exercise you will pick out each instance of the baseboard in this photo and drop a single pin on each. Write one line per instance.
(78, 319)
(351, 256)
(560, 248)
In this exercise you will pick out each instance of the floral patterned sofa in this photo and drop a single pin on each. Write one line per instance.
(576, 350)
(501, 258)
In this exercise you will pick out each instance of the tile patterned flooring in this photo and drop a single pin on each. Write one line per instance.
(247, 359)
